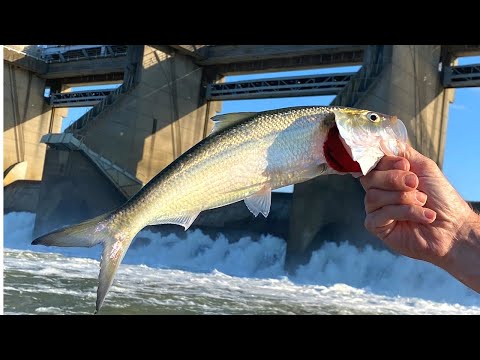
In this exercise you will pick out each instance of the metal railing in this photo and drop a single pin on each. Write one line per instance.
(67, 53)
(104, 103)
(78, 98)
(325, 84)
(462, 76)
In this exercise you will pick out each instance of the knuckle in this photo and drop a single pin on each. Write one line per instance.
(393, 179)
(410, 211)
(404, 197)
(386, 162)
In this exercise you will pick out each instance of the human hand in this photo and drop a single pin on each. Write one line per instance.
(413, 208)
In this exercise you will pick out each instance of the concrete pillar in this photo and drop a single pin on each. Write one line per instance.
(27, 117)
(331, 208)
(410, 88)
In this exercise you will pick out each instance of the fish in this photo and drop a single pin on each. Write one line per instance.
(246, 156)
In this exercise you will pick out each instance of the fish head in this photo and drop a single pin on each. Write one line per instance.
(368, 135)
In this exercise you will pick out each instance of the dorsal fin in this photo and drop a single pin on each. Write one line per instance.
(227, 120)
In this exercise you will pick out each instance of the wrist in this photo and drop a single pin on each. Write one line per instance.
(463, 259)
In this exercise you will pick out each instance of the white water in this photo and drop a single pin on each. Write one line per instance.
(201, 275)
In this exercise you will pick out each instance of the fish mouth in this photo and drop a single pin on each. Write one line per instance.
(368, 144)
(395, 143)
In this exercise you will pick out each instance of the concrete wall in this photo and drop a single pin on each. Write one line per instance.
(162, 117)
(72, 190)
(331, 208)
(21, 196)
(26, 119)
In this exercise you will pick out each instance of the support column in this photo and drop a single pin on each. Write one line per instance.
(27, 117)
(331, 208)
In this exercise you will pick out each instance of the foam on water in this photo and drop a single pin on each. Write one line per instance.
(201, 275)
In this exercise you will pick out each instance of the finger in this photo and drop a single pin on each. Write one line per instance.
(390, 213)
(393, 162)
(392, 180)
(421, 164)
(376, 198)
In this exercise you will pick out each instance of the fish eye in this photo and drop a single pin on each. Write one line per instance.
(373, 117)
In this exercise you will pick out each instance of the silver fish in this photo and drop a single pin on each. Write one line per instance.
(246, 156)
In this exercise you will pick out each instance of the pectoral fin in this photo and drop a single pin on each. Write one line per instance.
(312, 172)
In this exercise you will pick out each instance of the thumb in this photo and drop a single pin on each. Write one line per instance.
(419, 163)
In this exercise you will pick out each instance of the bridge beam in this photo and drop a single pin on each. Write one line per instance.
(190, 50)
(100, 79)
(24, 61)
(462, 76)
(313, 85)
(237, 59)
(78, 98)
(100, 66)
(463, 50)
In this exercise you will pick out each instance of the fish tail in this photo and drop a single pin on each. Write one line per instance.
(103, 230)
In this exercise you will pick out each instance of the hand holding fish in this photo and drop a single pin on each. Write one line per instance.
(412, 207)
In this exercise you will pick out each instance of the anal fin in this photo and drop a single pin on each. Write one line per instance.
(260, 201)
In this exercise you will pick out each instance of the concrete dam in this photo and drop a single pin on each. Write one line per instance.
(162, 106)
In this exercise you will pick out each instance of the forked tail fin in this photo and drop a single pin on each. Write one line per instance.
(115, 239)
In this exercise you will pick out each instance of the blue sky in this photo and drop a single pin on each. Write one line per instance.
(462, 149)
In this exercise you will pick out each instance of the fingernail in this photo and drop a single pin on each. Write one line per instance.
(400, 165)
(421, 197)
(410, 180)
(430, 215)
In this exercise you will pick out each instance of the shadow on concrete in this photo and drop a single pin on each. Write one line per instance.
(72, 190)
(23, 97)
(153, 123)
(21, 196)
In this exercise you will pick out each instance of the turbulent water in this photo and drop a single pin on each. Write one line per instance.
(198, 275)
